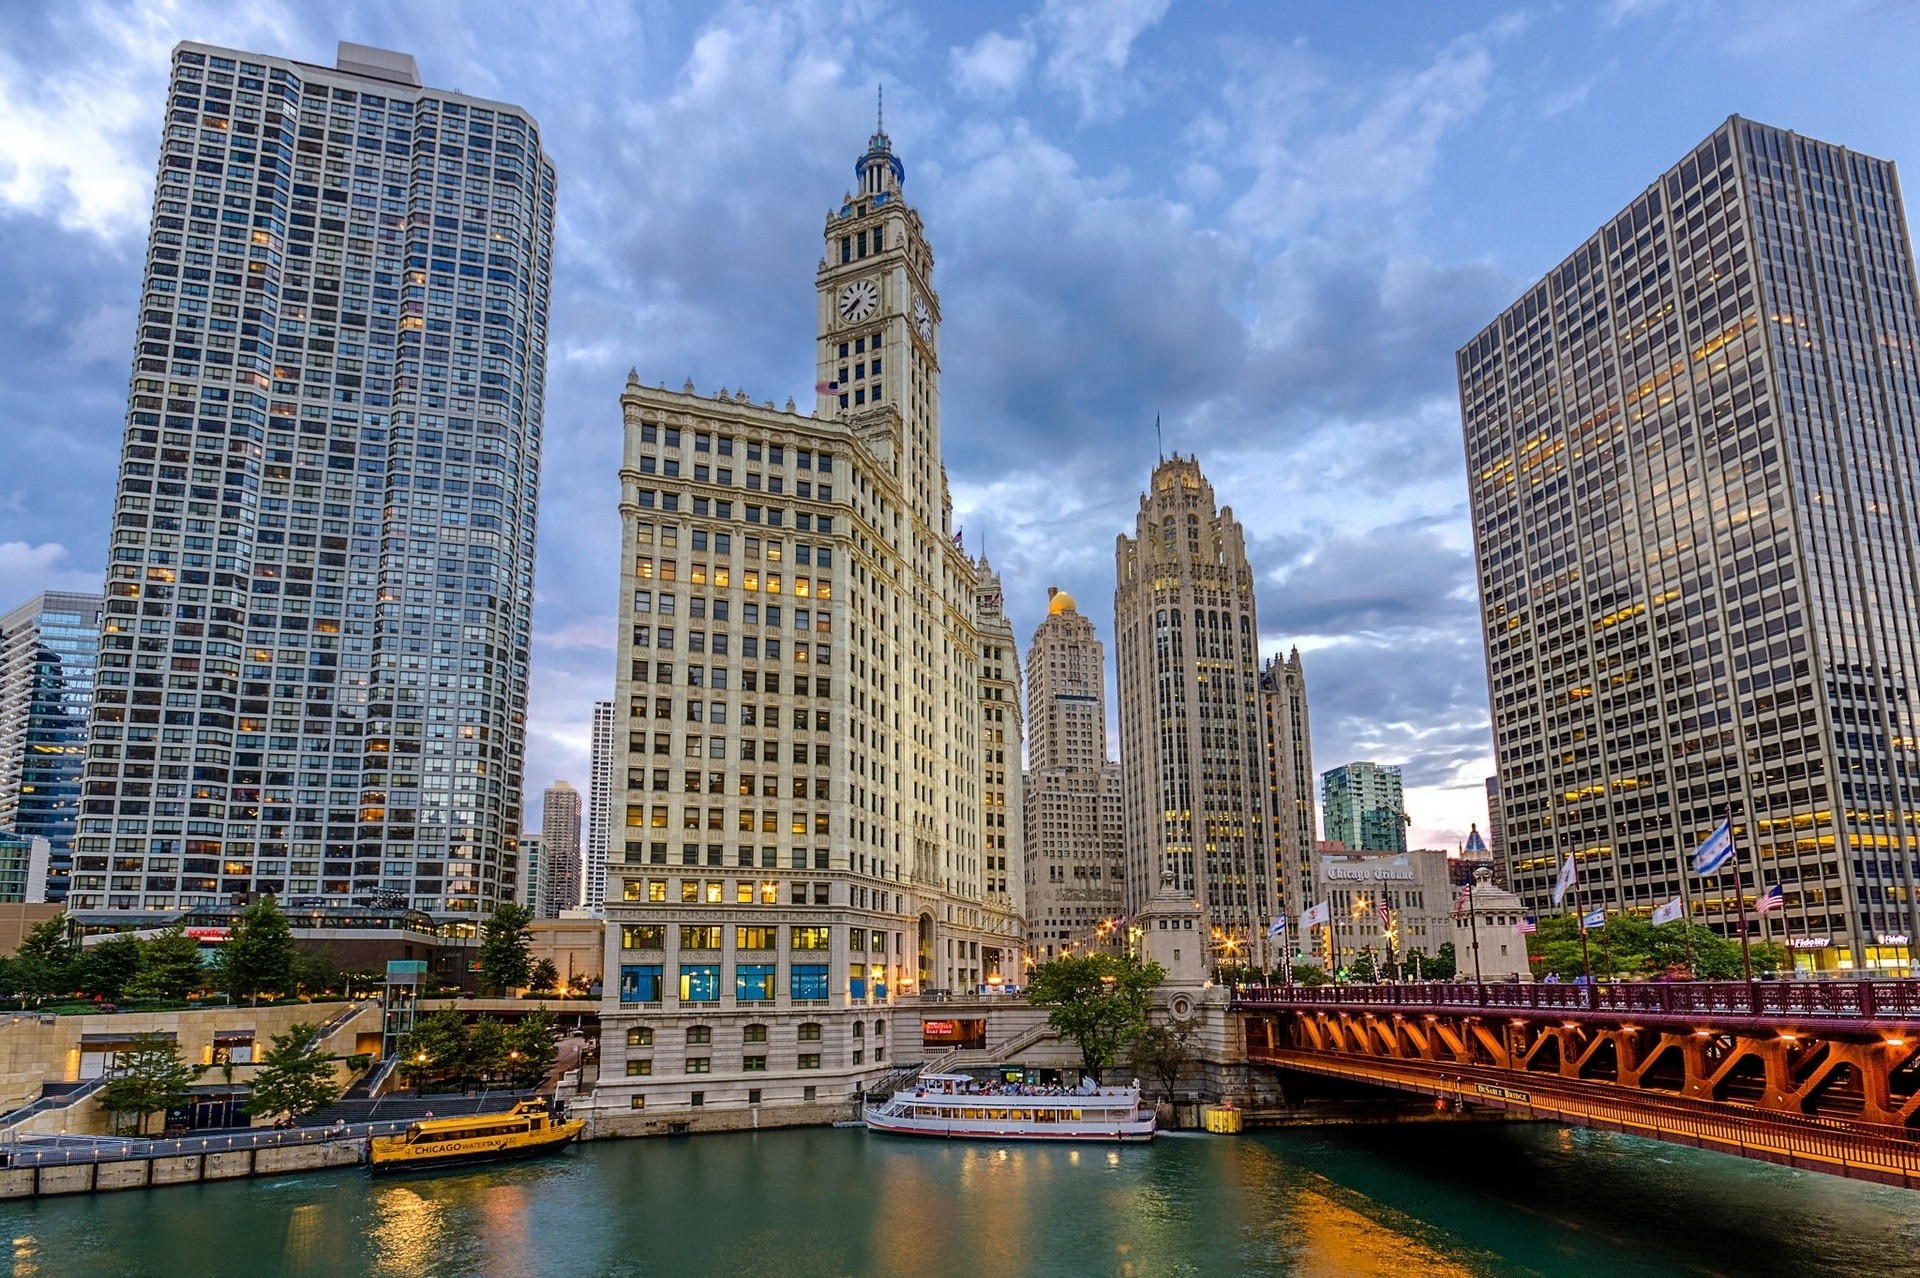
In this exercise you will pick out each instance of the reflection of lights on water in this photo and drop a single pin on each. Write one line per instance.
(305, 1236)
(1073, 1156)
(1113, 1158)
(25, 1249)
(409, 1232)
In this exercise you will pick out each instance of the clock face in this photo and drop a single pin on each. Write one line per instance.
(858, 299)
(922, 319)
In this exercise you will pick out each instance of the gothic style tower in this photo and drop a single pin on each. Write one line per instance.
(1192, 757)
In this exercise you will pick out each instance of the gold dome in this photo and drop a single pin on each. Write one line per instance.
(1059, 601)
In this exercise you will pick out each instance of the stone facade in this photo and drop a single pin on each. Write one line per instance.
(1415, 889)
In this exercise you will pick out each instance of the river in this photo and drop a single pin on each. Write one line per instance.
(1409, 1201)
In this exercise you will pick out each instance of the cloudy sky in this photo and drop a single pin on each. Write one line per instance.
(1271, 224)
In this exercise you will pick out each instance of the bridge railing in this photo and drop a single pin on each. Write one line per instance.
(1797, 1000)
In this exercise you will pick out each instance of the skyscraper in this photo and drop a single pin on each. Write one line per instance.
(313, 671)
(528, 876)
(1192, 761)
(1496, 828)
(48, 646)
(1694, 456)
(816, 762)
(559, 850)
(1289, 778)
(1364, 806)
(593, 890)
(1075, 865)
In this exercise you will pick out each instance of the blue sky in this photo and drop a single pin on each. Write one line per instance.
(1270, 223)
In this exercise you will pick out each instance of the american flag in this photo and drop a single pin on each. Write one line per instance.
(1386, 915)
(1460, 901)
(826, 388)
(1774, 898)
(1526, 924)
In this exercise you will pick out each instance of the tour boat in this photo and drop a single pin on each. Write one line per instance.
(525, 1131)
(955, 1105)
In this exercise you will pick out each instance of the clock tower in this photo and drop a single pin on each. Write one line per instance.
(879, 324)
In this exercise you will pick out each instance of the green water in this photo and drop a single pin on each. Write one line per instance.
(1408, 1201)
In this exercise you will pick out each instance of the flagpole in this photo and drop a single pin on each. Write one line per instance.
(1686, 914)
(1740, 899)
(1579, 914)
(1473, 926)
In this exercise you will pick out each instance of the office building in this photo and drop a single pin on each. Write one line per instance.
(1364, 807)
(313, 667)
(1694, 456)
(593, 890)
(1075, 867)
(1384, 907)
(528, 875)
(817, 703)
(1496, 831)
(1287, 738)
(559, 850)
(48, 646)
(23, 867)
(1193, 763)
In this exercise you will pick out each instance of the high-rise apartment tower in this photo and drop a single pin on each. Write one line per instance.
(1694, 456)
(1192, 760)
(559, 850)
(48, 646)
(593, 882)
(1075, 867)
(313, 671)
(1364, 806)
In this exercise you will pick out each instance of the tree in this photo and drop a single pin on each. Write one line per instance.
(506, 947)
(44, 963)
(169, 967)
(435, 1048)
(259, 956)
(1631, 945)
(315, 971)
(1162, 1053)
(1440, 966)
(107, 969)
(545, 978)
(1310, 974)
(296, 1077)
(486, 1051)
(1098, 1000)
(148, 1077)
(531, 1049)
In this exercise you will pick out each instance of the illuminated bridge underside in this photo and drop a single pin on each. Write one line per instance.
(1822, 1091)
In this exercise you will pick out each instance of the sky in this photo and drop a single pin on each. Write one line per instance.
(1270, 225)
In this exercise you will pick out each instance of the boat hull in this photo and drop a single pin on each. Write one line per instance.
(1125, 1133)
(516, 1152)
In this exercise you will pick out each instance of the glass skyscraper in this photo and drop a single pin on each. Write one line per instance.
(1364, 806)
(47, 650)
(313, 670)
(1694, 454)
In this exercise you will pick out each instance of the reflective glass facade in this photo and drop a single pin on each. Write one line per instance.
(1694, 450)
(314, 661)
(47, 650)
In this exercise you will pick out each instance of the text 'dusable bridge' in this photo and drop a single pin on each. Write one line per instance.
(1819, 1075)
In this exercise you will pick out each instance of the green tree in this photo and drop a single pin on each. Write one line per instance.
(315, 971)
(1440, 966)
(545, 978)
(506, 948)
(259, 955)
(486, 1051)
(1162, 1053)
(170, 967)
(1098, 1000)
(435, 1048)
(1630, 945)
(44, 963)
(295, 1077)
(108, 968)
(148, 1077)
(531, 1048)
(1310, 974)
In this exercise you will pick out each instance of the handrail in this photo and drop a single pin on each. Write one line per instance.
(1890, 1001)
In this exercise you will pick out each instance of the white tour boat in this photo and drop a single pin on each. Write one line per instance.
(956, 1105)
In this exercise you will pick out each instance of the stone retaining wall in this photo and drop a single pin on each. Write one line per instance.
(177, 1169)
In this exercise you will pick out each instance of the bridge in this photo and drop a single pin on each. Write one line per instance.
(1819, 1075)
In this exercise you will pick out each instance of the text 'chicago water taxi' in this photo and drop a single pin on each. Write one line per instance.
(525, 1131)
(955, 1105)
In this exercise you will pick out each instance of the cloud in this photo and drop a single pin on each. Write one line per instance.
(1090, 44)
(26, 570)
(994, 66)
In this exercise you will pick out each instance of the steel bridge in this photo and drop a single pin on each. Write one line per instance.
(1821, 1075)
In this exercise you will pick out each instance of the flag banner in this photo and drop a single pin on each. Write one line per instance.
(1278, 927)
(1593, 918)
(825, 388)
(1386, 915)
(1564, 881)
(1526, 924)
(1670, 912)
(1321, 914)
(1773, 898)
(1713, 853)
(1460, 901)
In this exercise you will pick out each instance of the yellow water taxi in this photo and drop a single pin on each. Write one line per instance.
(527, 1130)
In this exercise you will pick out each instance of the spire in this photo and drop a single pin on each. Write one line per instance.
(1159, 442)
(879, 170)
(880, 109)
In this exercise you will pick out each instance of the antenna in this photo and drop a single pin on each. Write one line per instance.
(880, 109)
(1158, 441)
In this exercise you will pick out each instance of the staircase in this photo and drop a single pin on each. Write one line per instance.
(1021, 1042)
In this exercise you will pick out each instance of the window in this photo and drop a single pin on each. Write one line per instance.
(812, 938)
(699, 1099)
(645, 936)
(639, 1102)
(808, 982)
(753, 983)
(640, 1037)
(809, 1060)
(640, 983)
(753, 1096)
(754, 1034)
(699, 1065)
(656, 889)
(698, 1034)
(754, 938)
(753, 1065)
(700, 983)
(810, 1032)
(639, 1069)
(699, 937)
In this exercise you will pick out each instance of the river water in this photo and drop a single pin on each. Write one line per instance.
(1409, 1201)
